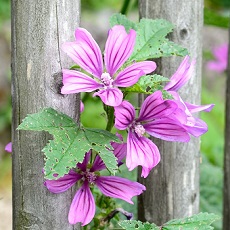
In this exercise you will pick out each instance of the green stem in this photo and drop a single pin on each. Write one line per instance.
(125, 7)
(110, 116)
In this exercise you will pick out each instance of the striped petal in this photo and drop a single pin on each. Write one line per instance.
(85, 52)
(141, 151)
(110, 96)
(124, 115)
(118, 187)
(167, 129)
(155, 107)
(83, 207)
(182, 75)
(77, 82)
(130, 75)
(118, 48)
(64, 183)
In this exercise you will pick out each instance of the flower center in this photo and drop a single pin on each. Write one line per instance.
(106, 79)
(89, 176)
(139, 130)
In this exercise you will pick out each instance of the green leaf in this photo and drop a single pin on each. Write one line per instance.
(201, 221)
(214, 19)
(133, 224)
(149, 84)
(100, 142)
(151, 41)
(120, 19)
(70, 142)
(152, 82)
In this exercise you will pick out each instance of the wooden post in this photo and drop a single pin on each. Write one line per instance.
(38, 30)
(226, 209)
(173, 186)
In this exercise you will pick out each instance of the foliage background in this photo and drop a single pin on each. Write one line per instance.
(213, 91)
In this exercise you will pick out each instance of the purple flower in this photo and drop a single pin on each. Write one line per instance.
(8, 147)
(183, 114)
(86, 53)
(82, 208)
(221, 55)
(154, 120)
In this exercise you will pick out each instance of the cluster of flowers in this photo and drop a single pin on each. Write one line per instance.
(170, 120)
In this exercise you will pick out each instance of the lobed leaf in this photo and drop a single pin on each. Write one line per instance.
(70, 142)
(100, 142)
(149, 84)
(151, 41)
(120, 19)
(201, 221)
(136, 224)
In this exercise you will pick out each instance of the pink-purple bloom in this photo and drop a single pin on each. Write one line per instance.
(220, 54)
(183, 114)
(8, 147)
(82, 208)
(107, 81)
(154, 119)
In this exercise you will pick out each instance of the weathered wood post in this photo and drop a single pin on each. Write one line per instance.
(226, 202)
(38, 30)
(173, 186)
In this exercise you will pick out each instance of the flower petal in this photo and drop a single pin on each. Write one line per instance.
(155, 107)
(85, 52)
(82, 208)
(124, 115)
(110, 96)
(196, 128)
(131, 74)
(167, 129)
(98, 164)
(76, 82)
(118, 48)
(118, 187)
(120, 151)
(181, 76)
(85, 161)
(64, 183)
(197, 108)
(8, 147)
(141, 151)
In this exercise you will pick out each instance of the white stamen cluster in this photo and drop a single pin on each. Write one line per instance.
(139, 130)
(106, 79)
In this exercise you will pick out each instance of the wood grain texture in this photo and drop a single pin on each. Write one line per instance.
(173, 186)
(38, 30)
(226, 202)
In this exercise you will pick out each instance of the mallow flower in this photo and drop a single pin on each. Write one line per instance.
(105, 80)
(154, 119)
(184, 113)
(221, 59)
(83, 207)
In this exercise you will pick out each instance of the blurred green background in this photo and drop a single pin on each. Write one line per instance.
(216, 18)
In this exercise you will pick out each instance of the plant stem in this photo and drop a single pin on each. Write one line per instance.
(125, 7)
(110, 116)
